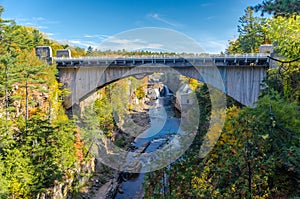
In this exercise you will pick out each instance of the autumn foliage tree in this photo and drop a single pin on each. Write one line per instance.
(37, 140)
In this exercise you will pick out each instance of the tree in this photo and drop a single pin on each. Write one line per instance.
(285, 34)
(90, 51)
(279, 7)
(37, 37)
(251, 34)
(31, 79)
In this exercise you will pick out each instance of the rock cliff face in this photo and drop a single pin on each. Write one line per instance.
(74, 178)
(41, 100)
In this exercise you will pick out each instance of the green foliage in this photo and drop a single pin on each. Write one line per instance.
(19, 173)
(107, 114)
(40, 155)
(36, 138)
(251, 34)
(3, 180)
(140, 93)
(90, 51)
(281, 30)
(279, 7)
(285, 33)
(104, 114)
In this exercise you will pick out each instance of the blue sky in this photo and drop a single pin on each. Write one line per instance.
(211, 23)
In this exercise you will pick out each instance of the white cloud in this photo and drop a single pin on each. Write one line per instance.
(48, 34)
(75, 41)
(206, 4)
(155, 39)
(38, 22)
(214, 46)
(39, 19)
(159, 18)
(28, 24)
(121, 41)
(89, 36)
(80, 43)
(210, 17)
(115, 43)
(42, 27)
(150, 38)
(96, 36)
(25, 20)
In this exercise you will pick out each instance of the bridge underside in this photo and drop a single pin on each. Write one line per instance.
(240, 82)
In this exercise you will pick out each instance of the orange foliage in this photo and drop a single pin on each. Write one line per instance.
(78, 147)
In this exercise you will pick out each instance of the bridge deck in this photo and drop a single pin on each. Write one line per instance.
(226, 60)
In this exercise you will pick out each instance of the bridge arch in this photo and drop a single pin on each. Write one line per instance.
(241, 82)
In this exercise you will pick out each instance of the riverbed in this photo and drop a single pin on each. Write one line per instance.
(163, 124)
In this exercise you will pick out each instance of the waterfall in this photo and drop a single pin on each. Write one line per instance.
(165, 92)
(157, 92)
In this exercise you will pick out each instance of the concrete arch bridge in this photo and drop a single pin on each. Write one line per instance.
(239, 76)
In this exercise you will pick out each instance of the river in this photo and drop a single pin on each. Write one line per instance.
(163, 123)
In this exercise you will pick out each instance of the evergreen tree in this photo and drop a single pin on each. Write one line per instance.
(251, 34)
(279, 7)
(90, 51)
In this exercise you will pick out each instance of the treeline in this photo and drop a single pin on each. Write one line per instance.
(258, 152)
(112, 53)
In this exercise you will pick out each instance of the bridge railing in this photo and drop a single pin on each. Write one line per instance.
(258, 59)
(253, 55)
